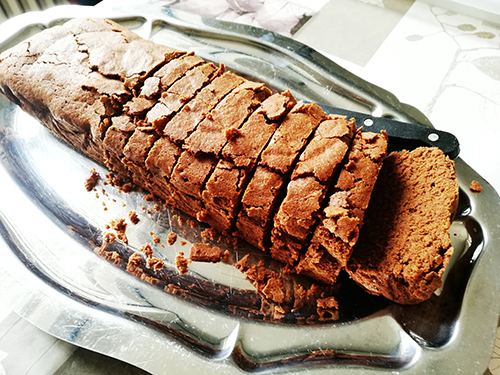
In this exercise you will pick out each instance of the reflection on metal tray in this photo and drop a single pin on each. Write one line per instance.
(50, 225)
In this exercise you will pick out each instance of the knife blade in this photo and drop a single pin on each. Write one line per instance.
(402, 135)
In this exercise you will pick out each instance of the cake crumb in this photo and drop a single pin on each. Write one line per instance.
(171, 238)
(274, 290)
(135, 260)
(267, 282)
(155, 238)
(109, 238)
(109, 179)
(156, 208)
(134, 219)
(279, 310)
(92, 181)
(201, 252)
(181, 263)
(209, 234)
(225, 257)
(120, 226)
(183, 243)
(149, 197)
(147, 250)
(126, 188)
(155, 263)
(328, 308)
(191, 223)
(475, 187)
(232, 240)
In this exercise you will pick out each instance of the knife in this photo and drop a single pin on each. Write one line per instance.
(402, 135)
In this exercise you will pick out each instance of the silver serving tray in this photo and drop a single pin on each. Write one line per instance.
(49, 226)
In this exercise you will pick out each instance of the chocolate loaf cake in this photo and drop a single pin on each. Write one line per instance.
(404, 246)
(221, 148)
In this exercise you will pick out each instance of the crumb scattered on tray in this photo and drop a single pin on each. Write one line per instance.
(179, 219)
(328, 308)
(147, 250)
(209, 234)
(201, 252)
(135, 260)
(183, 243)
(268, 282)
(109, 237)
(155, 263)
(120, 226)
(475, 187)
(92, 181)
(181, 263)
(171, 238)
(191, 223)
(149, 197)
(126, 188)
(134, 219)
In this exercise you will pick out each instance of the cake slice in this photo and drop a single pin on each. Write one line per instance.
(342, 218)
(231, 112)
(405, 245)
(257, 206)
(187, 120)
(179, 93)
(277, 160)
(296, 217)
(244, 147)
(224, 190)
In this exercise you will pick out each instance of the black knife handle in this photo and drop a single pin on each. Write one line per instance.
(402, 135)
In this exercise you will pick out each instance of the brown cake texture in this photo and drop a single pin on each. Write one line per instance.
(404, 246)
(231, 152)
(296, 217)
(202, 252)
